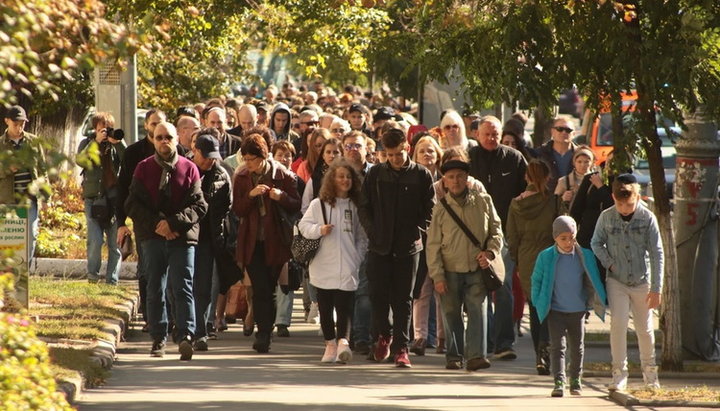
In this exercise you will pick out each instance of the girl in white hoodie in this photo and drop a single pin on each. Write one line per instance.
(333, 271)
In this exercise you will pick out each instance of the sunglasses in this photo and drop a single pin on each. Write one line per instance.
(353, 146)
(338, 130)
(563, 129)
(451, 126)
(296, 125)
(310, 123)
(161, 137)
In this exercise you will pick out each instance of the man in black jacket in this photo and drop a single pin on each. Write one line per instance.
(501, 169)
(395, 207)
(166, 204)
(217, 191)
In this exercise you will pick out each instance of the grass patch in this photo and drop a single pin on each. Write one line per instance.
(68, 362)
(76, 309)
(700, 393)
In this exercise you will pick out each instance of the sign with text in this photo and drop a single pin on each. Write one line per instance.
(14, 248)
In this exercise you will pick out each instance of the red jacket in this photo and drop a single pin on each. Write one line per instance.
(276, 253)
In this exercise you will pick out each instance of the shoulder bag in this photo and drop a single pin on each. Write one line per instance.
(490, 278)
(304, 249)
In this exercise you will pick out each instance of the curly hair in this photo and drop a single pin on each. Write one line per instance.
(328, 190)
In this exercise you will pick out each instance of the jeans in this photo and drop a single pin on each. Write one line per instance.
(391, 280)
(142, 280)
(362, 312)
(202, 287)
(283, 316)
(342, 303)
(623, 299)
(502, 330)
(465, 289)
(421, 312)
(95, 242)
(568, 327)
(264, 280)
(170, 262)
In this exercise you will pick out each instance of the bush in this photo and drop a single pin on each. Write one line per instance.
(26, 382)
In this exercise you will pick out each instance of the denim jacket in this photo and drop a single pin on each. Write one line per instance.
(633, 248)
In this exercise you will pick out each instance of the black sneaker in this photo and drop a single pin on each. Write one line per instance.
(282, 330)
(158, 349)
(559, 389)
(186, 349)
(261, 344)
(200, 345)
(362, 348)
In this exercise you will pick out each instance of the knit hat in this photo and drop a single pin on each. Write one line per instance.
(582, 151)
(564, 224)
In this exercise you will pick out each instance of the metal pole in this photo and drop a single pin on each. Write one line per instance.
(128, 84)
(696, 227)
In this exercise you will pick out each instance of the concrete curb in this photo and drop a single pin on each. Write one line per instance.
(63, 268)
(103, 351)
(671, 375)
(628, 400)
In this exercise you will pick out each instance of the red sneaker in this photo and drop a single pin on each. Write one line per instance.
(382, 348)
(402, 360)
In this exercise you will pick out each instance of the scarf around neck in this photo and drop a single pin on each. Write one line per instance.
(167, 167)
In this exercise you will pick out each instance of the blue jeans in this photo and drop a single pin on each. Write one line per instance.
(465, 289)
(362, 312)
(95, 242)
(283, 314)
(202, 287)
(503, 331)
(173, 262)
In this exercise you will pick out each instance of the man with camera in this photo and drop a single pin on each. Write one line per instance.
(100, 193)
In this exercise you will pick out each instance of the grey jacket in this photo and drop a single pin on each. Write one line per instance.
(633, 248)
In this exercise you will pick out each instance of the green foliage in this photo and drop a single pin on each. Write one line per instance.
(44, 43)
(26, 381)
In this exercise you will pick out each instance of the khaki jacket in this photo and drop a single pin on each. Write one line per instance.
(448, 248)
(7, 177)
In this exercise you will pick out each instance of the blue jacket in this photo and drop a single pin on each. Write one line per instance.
(543, 280)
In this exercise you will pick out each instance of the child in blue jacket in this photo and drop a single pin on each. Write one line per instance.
(565, 284)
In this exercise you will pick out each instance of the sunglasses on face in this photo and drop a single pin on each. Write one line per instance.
(161, 137)
(338, 130)
(563, 129)
(296, 125)
(451, 126)
(310, 123)
(353, 146)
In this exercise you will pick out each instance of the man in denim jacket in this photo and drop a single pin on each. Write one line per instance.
(627, 242)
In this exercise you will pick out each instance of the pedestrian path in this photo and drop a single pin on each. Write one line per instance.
(232, 376)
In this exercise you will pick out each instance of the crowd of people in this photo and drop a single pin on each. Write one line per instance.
(409, 220)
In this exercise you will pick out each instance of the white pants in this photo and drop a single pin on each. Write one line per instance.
(622, 299)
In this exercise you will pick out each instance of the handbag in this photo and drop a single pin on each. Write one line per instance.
(286, 222)
(490, 278)
(101, 211)
(127, 247)
(304, 249)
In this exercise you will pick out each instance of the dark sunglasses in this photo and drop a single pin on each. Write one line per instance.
(564, 129)
(310, 123)
(161, 137)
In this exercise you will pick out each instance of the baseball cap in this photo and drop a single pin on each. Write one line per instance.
(16, 113)
(384, 113)
(208, 146)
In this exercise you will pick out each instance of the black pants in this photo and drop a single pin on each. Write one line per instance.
(538, 330)
(341, 302)
(264, 279)
(391, 280)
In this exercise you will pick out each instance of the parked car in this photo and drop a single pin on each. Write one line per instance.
(641, 167)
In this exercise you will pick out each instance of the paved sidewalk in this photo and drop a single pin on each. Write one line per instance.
(231, 375)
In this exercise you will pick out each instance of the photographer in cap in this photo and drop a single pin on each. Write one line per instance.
(100, 194)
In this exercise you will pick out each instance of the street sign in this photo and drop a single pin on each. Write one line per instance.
(14, 248)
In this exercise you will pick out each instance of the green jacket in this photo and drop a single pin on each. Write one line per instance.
(529, 231)
(448, 248)
(32, 156)
(92, 176)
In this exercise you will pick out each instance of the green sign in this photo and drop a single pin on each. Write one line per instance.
(15, 247)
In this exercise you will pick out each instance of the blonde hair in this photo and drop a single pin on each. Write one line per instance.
(434, 144)
(453, 117)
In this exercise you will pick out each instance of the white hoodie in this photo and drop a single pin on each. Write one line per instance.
(336, 264)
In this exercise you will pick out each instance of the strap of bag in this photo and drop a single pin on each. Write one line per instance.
(462, 225)
(322, 207)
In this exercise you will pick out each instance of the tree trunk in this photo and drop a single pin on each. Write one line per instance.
(543, 121)
(672, 353)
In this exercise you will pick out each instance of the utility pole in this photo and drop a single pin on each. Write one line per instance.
(696, 225)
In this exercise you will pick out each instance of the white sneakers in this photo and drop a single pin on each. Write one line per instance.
(337, 351)
(650, 376)
(331, 349)
(314, 315)
(344, 353)
(619, 380)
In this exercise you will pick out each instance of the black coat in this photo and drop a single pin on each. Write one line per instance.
(589, 202)
(395, 207)
(502, 172)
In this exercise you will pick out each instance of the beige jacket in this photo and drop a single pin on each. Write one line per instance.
(31, 156)
(448, 248)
